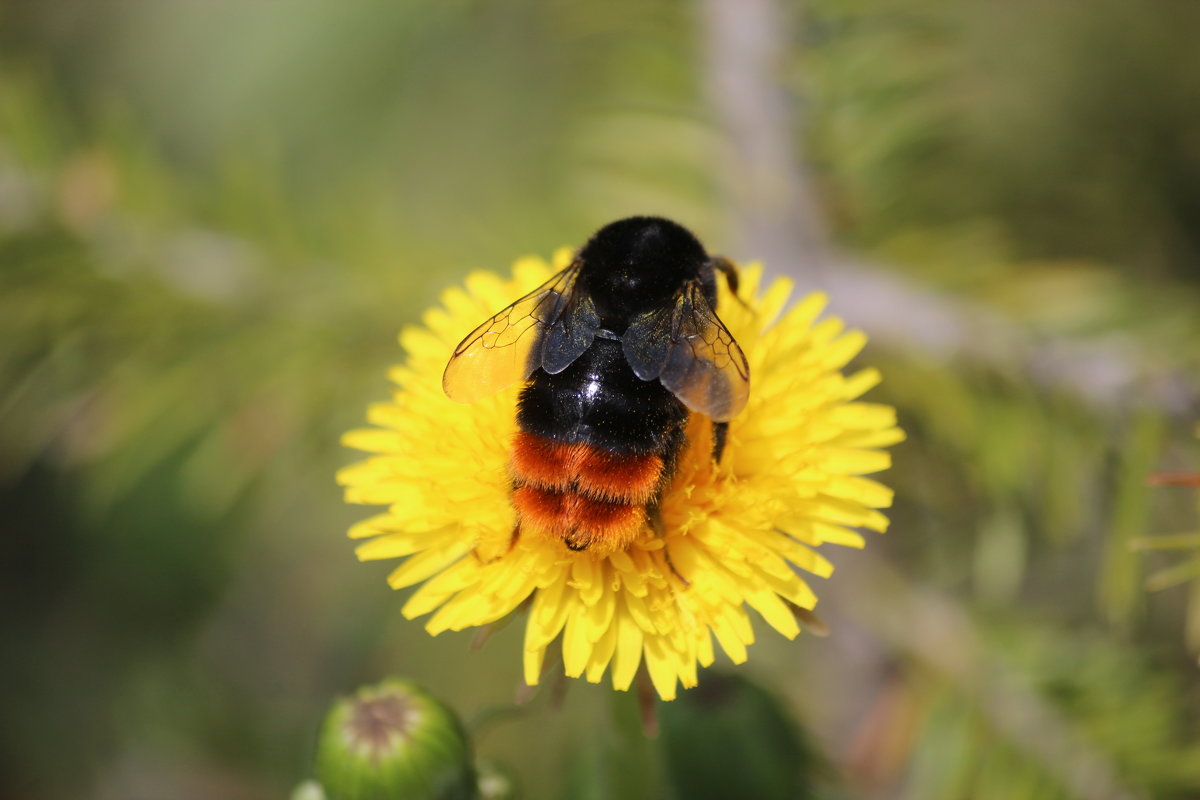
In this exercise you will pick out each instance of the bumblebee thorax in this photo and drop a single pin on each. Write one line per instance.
(638, 264)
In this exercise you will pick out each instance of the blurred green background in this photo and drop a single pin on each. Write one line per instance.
(215, 216)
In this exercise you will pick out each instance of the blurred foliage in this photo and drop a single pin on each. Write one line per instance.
(1186, 568)
(1126, 725)
(732, 738)
(214, 217)
(1068, 127)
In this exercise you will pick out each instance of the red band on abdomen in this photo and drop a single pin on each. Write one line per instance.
(581, 522)
(588, 470)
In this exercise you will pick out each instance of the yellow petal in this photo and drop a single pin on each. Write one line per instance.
(577, 650)
(628, 651)
(440, 588)
(602, 653)
(661, 667)
(532, 664)
(774, 611)
(423, 565)
(373, 440)
(548, 614)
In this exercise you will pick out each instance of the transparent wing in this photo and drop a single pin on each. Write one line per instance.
(549, 327)
(693, 354)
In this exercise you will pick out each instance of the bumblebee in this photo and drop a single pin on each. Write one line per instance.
(615, 352)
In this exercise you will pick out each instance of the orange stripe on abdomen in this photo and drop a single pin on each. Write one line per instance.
(579, 521)
(584, 469)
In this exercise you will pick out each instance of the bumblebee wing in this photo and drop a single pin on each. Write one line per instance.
(693, 354)
(549, 327)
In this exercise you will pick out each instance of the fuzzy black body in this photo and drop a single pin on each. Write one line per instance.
(597, 408)
(598, 401)
(627, 268)
(625, 344)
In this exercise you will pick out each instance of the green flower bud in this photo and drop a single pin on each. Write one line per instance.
(394, 742)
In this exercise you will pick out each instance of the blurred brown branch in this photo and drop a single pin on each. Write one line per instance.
(777, 219)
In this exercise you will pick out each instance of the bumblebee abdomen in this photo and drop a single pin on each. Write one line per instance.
(587, 497)
(595, 448)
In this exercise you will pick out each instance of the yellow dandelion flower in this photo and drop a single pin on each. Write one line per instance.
(736, 535)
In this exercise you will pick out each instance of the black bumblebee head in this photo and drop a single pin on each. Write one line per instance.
(637, 264)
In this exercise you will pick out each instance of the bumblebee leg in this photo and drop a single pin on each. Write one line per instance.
(719, 434)
(674, 571)
(725, 267)
(729, 270)
(654, 517)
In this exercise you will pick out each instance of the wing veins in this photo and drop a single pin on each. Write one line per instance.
(701, 363)
(500, 351)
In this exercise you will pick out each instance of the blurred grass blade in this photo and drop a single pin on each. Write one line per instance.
(1174, 575)
(1178, 541)
(1119, 590)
